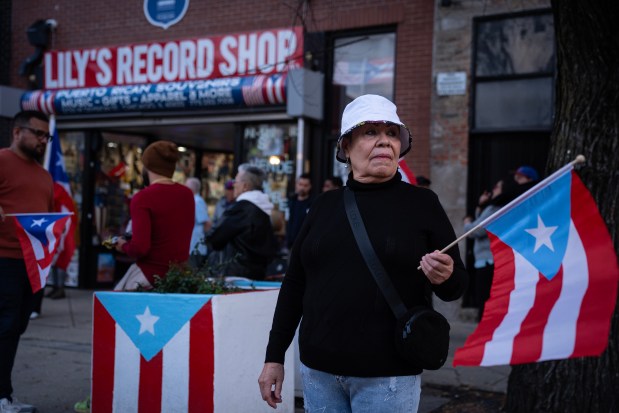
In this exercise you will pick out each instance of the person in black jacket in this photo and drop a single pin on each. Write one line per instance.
(346, 338)
(244, 231)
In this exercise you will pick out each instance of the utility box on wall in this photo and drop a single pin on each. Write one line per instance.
(10, 99)
(304, 94)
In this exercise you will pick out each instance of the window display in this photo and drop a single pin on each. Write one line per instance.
(217, 168)
(118, 177)
(361, 64)
(186, 166)
(72, 145)
(272, 147)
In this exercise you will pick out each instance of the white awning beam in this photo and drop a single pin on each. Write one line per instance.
(168, 121)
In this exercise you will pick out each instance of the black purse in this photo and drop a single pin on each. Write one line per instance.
(421, 333)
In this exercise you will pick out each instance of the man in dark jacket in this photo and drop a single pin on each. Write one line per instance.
(245, 231)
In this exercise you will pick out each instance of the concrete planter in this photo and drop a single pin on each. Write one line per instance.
(182, 352)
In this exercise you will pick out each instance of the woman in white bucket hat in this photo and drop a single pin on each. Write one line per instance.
(346, 339)
(372, 109)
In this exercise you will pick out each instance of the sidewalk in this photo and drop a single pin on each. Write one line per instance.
(52, 369)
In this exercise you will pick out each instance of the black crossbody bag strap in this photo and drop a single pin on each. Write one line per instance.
(369, 255)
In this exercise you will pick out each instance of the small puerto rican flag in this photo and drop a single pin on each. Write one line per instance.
(63, 201)
(39, 236)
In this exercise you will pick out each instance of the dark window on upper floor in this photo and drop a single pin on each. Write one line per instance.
(514, 62)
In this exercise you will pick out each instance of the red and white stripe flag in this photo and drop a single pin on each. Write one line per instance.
(407, 175)
(63, 201)
(261, 89)
(555, 280)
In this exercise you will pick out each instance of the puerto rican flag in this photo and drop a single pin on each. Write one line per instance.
(358, 72)
(407, 175)
(555, 280)
(39, 236)
(181, 352)
(150, 360)
(63, 201)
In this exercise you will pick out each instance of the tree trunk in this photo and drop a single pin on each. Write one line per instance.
(586, 122)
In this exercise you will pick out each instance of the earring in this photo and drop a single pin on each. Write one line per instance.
(347, 163)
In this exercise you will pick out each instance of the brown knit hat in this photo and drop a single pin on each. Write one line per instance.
(160, 157)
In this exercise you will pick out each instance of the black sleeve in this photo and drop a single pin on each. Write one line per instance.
(442, 235)
(289, 307)
(232, 223)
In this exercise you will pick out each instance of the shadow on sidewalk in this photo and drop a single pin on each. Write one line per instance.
(464, 399)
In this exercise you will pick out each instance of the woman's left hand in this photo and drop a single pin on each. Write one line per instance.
(119, 244)
(437, 267)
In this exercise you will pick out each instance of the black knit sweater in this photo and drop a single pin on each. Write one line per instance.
(347, 327)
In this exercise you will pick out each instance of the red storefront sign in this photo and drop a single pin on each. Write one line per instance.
(240, 54)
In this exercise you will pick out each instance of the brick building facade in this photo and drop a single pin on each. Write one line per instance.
(450, 133)
(430, 37)
(117, 23)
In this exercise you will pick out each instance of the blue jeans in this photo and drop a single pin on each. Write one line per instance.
(328, 393)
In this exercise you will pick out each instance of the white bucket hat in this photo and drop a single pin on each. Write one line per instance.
(371, 108)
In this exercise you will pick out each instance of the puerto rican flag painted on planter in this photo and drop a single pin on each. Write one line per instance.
(179, 352)
(143, 352)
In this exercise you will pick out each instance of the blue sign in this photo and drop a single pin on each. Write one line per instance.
(227, 92)
(165, 13)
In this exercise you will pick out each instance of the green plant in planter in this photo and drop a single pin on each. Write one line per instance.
(184, 279)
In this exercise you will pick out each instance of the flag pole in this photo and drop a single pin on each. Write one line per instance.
(48, 147)
(541, 185)
(37, 213)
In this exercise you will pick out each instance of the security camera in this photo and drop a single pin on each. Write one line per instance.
(52, 23)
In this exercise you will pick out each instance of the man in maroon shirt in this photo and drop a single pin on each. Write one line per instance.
(25, 187)
(162, 218)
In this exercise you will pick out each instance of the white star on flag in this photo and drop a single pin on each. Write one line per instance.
(542, 234)
(59, 162)
(147, 321)
(37, 222)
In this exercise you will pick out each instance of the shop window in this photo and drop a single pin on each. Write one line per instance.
(72, 145)
(361, 65)
(273, 147)
(513, 74)
(186, 166)
(118, 177)
(217, 168)
(517, 45)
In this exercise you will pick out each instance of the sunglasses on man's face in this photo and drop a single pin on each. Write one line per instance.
(38, 133)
